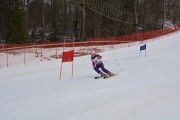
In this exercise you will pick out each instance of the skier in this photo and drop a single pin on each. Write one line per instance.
(97, 63)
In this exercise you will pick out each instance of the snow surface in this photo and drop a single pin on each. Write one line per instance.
(143, 89)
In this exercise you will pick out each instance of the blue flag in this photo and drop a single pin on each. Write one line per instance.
(143, 47)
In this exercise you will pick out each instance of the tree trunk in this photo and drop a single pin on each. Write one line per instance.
(83, 23)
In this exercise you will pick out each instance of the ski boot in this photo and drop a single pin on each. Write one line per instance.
(110, 74)
(102, 74)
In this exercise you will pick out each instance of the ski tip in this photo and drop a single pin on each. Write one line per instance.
(97, 77)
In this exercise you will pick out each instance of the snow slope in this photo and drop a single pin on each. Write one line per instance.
(143, 89)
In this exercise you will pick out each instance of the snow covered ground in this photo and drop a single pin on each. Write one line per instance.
(143, 89)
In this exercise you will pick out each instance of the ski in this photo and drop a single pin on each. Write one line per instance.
(97, 77)
(108, 76)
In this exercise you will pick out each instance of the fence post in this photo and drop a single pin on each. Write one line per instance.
(24, 54)
(56, 51)
(41, 53)
(7, 56)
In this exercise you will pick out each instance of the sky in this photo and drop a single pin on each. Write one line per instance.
(144, 88)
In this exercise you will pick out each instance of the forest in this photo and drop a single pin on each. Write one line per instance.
(39, 21)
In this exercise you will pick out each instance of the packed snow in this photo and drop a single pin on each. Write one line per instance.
(144, 88)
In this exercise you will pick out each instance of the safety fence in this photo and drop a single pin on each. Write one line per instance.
(13, 54)
(140, 36)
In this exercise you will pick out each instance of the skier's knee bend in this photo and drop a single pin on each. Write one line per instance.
(97, 70)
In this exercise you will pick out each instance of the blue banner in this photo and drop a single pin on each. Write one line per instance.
(143, 47)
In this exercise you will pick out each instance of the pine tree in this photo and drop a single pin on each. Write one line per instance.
(2, 4)
(16, 22)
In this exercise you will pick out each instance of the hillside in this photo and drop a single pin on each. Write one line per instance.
(143, 89)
